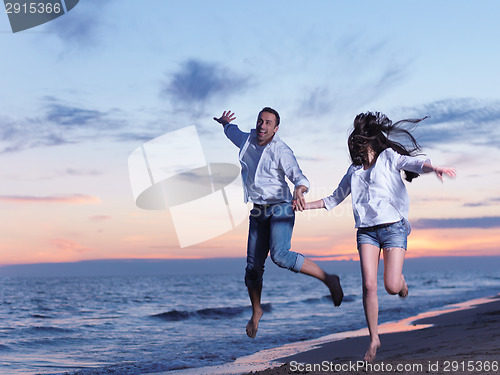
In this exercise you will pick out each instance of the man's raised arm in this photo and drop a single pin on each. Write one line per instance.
(226, 118)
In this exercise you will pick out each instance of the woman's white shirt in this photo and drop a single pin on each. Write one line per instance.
(379, 194)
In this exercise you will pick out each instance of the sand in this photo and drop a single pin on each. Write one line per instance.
(459, 339)
(458, 342)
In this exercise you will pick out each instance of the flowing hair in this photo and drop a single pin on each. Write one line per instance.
(376, 131)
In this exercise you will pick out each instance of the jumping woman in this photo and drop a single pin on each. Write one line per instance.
(380, 204)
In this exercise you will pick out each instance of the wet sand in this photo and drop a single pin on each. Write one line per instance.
(466, 341)
(457, 340)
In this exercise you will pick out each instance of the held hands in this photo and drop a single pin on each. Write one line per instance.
(226, 118)
(299, 202)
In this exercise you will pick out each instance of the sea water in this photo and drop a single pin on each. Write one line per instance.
(139, 324)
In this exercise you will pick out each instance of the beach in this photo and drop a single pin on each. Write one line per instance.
(457, 342)
(194, 324)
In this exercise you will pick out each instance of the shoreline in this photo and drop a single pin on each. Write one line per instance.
(460, 340)
(453, 336)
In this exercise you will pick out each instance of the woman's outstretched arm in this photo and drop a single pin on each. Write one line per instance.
(314, 204)
(439, 171)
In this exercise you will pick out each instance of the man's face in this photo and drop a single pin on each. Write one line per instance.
(266, 128)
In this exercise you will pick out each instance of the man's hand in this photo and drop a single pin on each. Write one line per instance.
(226, 118)
(299, 202)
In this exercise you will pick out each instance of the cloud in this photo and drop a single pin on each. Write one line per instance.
(68, 247)
(27, 133)
(476, 222)
(65, 199)
(318, 101)
(197, 82)
(68, 172)
(459, 120)
(484, 203)
(439, 198)
(142, 136)
(58, 124)
(81, 172)
(61, 123)
(358, 72)
(99, 218)
(70, 116)
(81, 26)
(66, 117)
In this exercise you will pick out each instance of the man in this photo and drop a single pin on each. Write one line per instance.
(265, 161)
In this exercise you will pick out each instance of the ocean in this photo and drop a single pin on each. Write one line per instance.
(140, 323)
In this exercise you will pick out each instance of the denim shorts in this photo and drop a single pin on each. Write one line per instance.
(384, 236)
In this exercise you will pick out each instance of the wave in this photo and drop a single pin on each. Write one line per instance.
(5, 348)
(49, 329)
(229, 312)
(39, 316)
(430, 282)
(208, 313)
(347, 298)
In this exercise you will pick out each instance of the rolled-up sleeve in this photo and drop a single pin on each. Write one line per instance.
(291, 168)
(341, 193)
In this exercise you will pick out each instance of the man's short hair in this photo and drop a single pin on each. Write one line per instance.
(273, 111)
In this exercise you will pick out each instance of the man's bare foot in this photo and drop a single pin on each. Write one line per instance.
(253, 324)
(403, 293)
(333, 283)
(371, 353)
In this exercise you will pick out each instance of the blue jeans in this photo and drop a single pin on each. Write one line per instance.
(384, 236)
(270, 231)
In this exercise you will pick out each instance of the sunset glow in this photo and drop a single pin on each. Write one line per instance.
(79, 94)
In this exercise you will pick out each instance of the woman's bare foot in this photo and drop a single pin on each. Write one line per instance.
(403, 293)
(333, 283)
(371, 353)
(253, 323)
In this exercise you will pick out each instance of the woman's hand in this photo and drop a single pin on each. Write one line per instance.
(440, 171)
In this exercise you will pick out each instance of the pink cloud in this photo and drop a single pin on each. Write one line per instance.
(99, 218)
(68, 247)
(65, 199)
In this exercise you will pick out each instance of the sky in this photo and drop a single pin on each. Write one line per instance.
(80, 93)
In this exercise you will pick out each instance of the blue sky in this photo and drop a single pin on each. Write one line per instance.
(80, 93)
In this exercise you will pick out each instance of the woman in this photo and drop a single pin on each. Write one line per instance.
(380, 204)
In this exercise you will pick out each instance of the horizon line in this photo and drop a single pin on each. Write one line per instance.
(194, 259)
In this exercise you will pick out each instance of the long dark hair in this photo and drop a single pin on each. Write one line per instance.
(376, 131)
